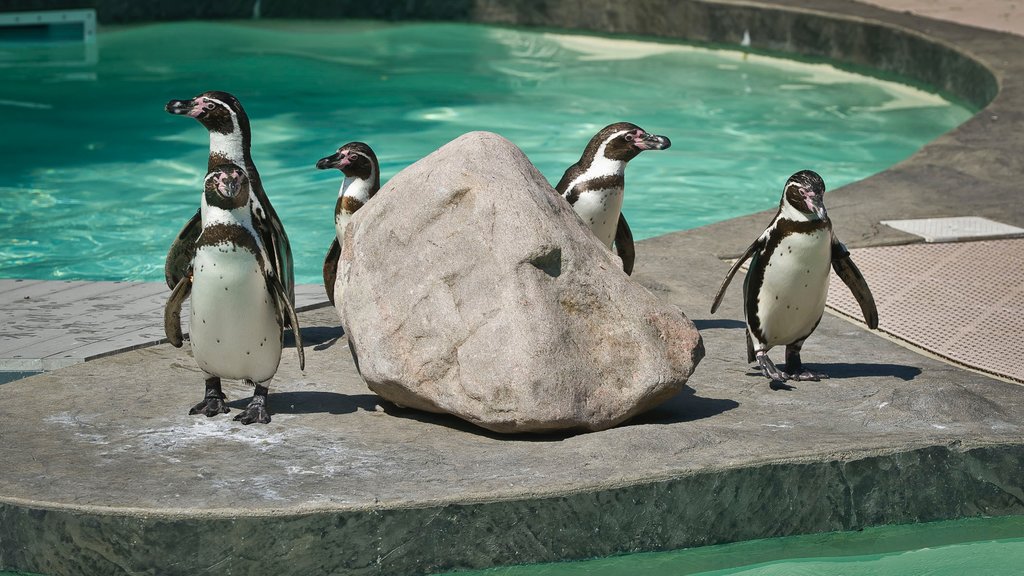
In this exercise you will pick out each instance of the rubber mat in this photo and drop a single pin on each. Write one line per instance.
(962, 301)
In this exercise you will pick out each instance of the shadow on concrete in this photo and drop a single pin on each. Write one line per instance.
(713, 323)
(315, 336)
(313, 402)
(847, 370)
(843, 370)
(456, 423)
(685, 407)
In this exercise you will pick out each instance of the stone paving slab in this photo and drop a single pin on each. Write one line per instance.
(955, 228)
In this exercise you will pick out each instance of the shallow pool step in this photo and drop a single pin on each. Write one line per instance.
(51, 324)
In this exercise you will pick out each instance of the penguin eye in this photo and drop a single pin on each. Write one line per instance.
(630, 137)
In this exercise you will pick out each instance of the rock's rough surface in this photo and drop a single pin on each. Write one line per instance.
(472, 288)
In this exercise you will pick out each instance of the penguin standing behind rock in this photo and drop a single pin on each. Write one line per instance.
(594, 186)
(359, 164)
(239, 305)
(787, 283)
(230, 140)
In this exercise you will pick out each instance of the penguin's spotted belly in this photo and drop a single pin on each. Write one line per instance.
(599, 210)
(792, 295)
(234, 323)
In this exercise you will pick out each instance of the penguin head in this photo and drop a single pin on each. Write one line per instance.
(805, 191)
(623, 141)
(217, 111)
(226, 187)
(355, 160)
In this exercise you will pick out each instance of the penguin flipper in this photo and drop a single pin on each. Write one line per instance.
(272, 234)
(854, 280)
(732, 272)
(624, 245)
(182, 251)
(288, 311)
(331, 269)
(172, 310)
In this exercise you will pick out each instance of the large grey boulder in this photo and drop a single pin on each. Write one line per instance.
(472, 288)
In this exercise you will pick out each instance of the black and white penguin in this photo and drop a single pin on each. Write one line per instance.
(239, 305)
(787, 283)
(359, 164)
(230, 141)
(594, 186)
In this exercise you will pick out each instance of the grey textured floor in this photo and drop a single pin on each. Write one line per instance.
(53, 324)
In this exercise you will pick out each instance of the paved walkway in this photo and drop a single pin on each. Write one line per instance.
(1001, 15)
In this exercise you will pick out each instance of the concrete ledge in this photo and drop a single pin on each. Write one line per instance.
(104, 473)
(112, 476)
(704, 508)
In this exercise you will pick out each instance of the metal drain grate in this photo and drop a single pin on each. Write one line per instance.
(962, 301)
(953, 229)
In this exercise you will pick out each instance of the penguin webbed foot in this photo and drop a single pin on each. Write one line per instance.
(256, 411)
(769, 370)
(795, 366)
(210, 407)
(213, 402)
(808, 376)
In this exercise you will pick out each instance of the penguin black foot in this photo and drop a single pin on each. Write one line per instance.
(769, 369)
(808, 376)
(795, 366)
(256, 411)
(213, 402)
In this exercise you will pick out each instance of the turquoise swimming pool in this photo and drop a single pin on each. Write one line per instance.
(99, 178)
(981, 546)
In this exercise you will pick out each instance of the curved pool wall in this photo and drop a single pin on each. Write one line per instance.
(827, 486)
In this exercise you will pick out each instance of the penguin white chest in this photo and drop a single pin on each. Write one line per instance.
(599, 210)
(234, 325)
(792, 295)
(341, 220)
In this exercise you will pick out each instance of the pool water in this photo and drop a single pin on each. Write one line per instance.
(97, 178)
(989, 547)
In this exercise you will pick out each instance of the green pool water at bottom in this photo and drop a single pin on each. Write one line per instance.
(976, 547)
(979, 546)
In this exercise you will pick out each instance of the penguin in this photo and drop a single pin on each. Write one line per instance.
(358, 163)
(230, 140)
(594, 185)
(239, 304)
(787, 282)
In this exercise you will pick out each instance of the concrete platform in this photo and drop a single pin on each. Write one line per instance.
(104, 473)
(53, 324)
(112, 476)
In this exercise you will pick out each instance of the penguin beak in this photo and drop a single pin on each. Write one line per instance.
(653, 142)
(816, 204)
(179, 107)
(229, 187)
(336, 160)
